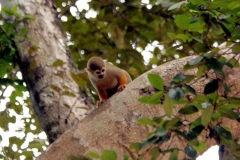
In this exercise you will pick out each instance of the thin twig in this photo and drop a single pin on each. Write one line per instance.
(90, 22)
(192, 48)
(3, 91)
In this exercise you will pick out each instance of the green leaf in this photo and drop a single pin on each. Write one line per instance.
(190, 89)
(211, 87)
(184, 37)
(126, 157)
(236, 48)
(145, 121)
(14, 9)
(15, 140)
(144, 99)
(194, 20)
(208, 55)
(181, 101)
(174, 155)
(171, 35)
(135, 147)
(3, 68)
(109, 155)
(24, 31)
(78, 78)
(213, 98)
(13, 96)
(216, 65)
(153, 99)
(228, 64)
(227, 32)
(160, 132)
(193, 142)
(189, 78)
(201, 70)
(196, 123)
(234, 62)
(226, 112)
(231, 100)
(207, 115)
(174, 124)
(157, 120)
(58, 63)
(179, 77)
(201, 147)
(200, 99)
(156, 81)
(194, 132)
(154, 152)
(28, 154)
(226, 88)
(92, 155)
(182, 21)
(182, 134)
(197, 27)
(190, 151)
(149, 141)
(196, 60)
(228, 106)
(163, 139)
(189, 109)
(20, 88)
(36, 143)
(176, 93)
(216, 116)
(233, 5)
(168, 105)
(223, 132)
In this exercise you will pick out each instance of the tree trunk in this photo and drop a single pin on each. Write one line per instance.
(47, 68)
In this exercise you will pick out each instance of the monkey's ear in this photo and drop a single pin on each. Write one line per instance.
(88, 70)
(105, 61)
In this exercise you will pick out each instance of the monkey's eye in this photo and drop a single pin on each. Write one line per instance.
(103, 70)
(98, 72)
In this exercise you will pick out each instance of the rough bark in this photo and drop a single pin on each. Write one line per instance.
(54, 94)
(113, 125)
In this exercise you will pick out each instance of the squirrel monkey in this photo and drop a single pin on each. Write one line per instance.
(106, 78)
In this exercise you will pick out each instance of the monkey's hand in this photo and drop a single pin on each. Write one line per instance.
(121, 88)
(100, 102)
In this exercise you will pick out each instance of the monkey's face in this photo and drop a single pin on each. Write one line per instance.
(100, 73)
(96, 67)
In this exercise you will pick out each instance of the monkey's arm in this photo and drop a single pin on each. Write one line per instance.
(102, 95)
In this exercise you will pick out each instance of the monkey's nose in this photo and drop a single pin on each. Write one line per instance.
(100, 76)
